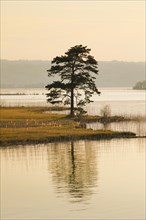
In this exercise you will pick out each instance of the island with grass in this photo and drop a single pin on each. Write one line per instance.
(35, 125)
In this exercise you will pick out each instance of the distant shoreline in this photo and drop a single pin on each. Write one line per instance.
(32, 73)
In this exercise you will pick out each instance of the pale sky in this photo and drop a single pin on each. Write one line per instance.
(114, 30)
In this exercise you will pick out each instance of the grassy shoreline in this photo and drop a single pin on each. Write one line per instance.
(32, 125)
(101, 136)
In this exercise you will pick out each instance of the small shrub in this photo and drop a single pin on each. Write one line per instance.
(105, 111)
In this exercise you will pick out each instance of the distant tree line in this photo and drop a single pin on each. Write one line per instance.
(140, 85)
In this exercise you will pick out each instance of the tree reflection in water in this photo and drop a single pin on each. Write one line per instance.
(74, 169)
(106, 126)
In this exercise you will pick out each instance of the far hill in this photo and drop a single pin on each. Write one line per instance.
(32, 73)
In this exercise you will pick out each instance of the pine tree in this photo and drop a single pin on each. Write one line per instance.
(76, 70)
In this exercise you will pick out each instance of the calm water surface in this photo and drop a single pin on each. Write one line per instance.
(121, 100)
(74, 180)
(80, 180)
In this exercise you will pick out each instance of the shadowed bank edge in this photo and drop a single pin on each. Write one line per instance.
(32, 125)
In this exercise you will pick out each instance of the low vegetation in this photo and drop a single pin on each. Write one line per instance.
(25, 125)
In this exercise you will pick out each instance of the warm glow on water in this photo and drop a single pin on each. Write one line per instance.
(80, 180)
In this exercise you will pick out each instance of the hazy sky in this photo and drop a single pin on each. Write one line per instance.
(114, 30)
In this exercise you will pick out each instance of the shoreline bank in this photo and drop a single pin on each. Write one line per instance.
(97, 136)
(26, 125)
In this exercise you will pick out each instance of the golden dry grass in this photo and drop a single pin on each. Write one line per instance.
(33, 124)
(26, 113)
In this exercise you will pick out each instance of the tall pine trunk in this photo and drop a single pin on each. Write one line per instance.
(72, 92)
(72, 103)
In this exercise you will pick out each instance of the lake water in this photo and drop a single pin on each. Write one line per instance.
(82, 179)
(120, 100)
